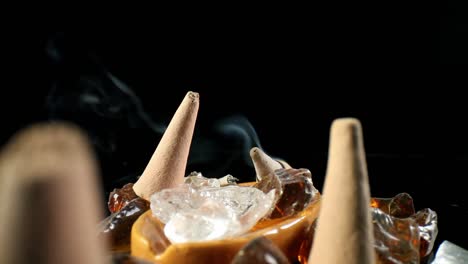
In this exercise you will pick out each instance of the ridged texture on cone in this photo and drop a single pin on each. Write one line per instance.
(50, 201)
(344, 231)
(167, 166)
(265, 164)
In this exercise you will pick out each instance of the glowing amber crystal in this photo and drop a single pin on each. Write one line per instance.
(154, 232)
(118, 198)
(427, 225)
(396, 239)
(401, 234)
(292, 234)
(125, 207)
(293, 188)
(399, 206)
(118, 226)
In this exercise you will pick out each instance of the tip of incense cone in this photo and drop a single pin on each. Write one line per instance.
(349, 125)
(255, 152)
(263, 163)
(345, 219)
(166, 168)
(48, 176)
(193, 95)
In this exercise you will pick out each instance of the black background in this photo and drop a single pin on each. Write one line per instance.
(286, 72)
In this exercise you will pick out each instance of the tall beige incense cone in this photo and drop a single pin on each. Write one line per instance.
(166, 167)
(265, 164)
(344, 229)
(50, 198)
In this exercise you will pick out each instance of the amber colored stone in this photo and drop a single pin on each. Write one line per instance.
(260, 251)
(401, 234)
(290, 234)
(119, 198)
(117, 227)
(153, 230)
(399, 206)
(306, 244)
(396, 239)
(294, 190)
(427, 222)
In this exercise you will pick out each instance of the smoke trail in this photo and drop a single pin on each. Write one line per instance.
(224, 149)
(124, 133)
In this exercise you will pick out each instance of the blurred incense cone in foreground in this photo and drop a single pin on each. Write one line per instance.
(265, 164)
(344, 230)
(167, 166)
(50, 203)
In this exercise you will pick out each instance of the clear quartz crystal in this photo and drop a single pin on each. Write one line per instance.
(201, 210)
(196, 180)
(449, 253)
(212, 220)
(241, 200)
(166, 203)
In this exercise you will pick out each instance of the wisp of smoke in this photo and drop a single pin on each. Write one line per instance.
(225, 148)
(124, 134)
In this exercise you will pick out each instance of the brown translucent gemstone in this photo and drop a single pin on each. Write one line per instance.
(427, 222)
(292, 235)
(294, 190)
(117, 227)
(118, 198)
(260, 250)
(399, 206)
(396, 239)
(400, 233)
(306, 245)
(154, 231)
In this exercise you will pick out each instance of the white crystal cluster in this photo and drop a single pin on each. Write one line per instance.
(201, 209)
(450, 253)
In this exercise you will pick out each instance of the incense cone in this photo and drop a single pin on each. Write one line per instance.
(50, 200)
(265, 164)
(166, 167)
(344, 229)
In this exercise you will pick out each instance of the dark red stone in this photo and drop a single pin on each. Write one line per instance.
(117, 227)
(119, 198)
(294, 190)
(260, 251)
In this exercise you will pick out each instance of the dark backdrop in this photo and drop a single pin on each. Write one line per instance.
(266, 79)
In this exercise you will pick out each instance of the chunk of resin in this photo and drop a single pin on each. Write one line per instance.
(118, 198)
(260, 251)
(117, 227)
(294, 190)
(401, 234)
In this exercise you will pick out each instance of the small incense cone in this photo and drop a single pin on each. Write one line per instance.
(344, 229)
(265, 164)
(166, 167)
(50, 200)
